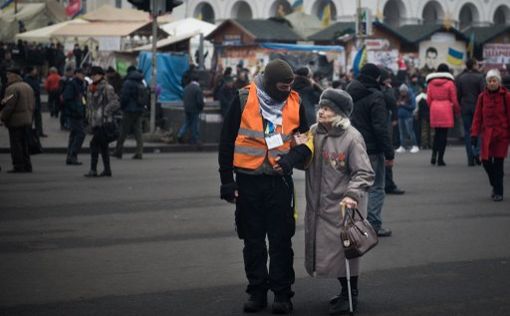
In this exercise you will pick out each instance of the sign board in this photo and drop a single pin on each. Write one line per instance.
(386, 58)
(109, 43)
(377, 44)
(364, 22)
(496, 55)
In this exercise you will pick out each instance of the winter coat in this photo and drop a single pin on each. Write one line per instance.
(102, 102)
(340, 167)
(442, 99)
(52, 83)
(469, 86)
(310, 96)
(35, 84)
(129, 93)
(18, 110)
(407, 107)
(193, 98)
(492, 122)
(370, 117)
(73, 97)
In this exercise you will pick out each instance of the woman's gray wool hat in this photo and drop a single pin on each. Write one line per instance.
(338, 100)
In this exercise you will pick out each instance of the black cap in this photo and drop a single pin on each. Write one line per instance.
(14, 70)
(370, 70)
(96, 70)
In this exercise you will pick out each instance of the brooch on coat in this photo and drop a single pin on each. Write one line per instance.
(336, 160)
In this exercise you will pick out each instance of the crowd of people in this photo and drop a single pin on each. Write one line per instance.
(83, 99)
(346, 150)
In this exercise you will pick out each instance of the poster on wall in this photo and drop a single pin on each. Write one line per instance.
(434, 53)
(496, 55)
(385, 58)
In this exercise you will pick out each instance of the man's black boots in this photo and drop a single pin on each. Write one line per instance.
(282, 304)
(256, 302)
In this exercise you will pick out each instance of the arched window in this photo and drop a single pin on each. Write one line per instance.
(433, 13)
(205, 12)
(242, 11)
(502, 15)
(394, 12)
(468, 16)
(319, 8)
(280, 8)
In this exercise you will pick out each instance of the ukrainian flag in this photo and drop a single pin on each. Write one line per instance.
(326, 14)
(359, 60)
(7, 5)
(297, 6)
(455, 57)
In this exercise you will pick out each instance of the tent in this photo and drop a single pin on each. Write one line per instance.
(44, 35)
(170, 67)
(108, 13)
(187, 26)
(33, 16)
(167, 42)
(304, 24)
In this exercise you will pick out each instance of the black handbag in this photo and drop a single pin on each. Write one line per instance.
(356, 234)
(110, 131)
(34, 143)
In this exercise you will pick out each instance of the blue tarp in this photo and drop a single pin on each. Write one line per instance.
(303, 48)
(170, 68)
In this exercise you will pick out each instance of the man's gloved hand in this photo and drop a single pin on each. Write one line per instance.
(474, 140)
(284, 163)
(228, 192)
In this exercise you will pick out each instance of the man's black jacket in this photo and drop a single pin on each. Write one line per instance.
(370, 116)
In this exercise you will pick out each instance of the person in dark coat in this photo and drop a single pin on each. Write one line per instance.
(390, 187)
(193, 100)
(73, 98)
(308, 91)
(226, 94)
(17, 109)
(492, 123)
(370, 118)
(469, 85)
(78, 55)
(32, 78)
(114, 79)
(133, 102)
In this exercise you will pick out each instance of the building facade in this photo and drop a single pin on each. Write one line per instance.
(459, 13)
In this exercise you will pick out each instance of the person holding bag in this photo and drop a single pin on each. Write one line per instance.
(492, 122)
(102, 102)
(338, 173)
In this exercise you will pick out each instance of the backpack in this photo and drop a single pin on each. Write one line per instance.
(142, 95)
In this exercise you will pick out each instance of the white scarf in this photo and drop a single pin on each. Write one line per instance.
(270, 109)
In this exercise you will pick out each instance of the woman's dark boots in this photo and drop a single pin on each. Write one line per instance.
(339, 305)
(93, 167)
(440, 158)
(433, 158)
(107, 172)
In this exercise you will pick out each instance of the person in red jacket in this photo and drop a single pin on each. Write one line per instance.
(492, 123)
(52, 86)
(443, 104)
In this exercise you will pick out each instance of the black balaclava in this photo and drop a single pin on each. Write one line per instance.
(276, 71)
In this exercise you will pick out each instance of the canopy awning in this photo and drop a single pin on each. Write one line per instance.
(300, 47)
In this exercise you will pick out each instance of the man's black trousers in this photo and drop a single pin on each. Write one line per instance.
(18, 139)
(265, 207)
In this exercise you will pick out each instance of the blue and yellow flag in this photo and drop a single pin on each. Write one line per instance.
(359, 60)
(326, 14)
(7, 5)
(471, 45)
(298, 6)
(455, 57)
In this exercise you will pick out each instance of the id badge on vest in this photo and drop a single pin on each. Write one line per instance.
(273, 139)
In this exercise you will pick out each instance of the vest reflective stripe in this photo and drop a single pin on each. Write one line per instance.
(250, 133)
(250, 145)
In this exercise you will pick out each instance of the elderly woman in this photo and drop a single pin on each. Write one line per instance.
(492, 122)
(339, 173)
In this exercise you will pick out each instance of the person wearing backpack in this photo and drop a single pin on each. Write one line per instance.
(134, 99)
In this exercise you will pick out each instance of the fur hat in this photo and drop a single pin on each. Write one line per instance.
(493, 73)
(370, 70)
(338, 100)
(403, 88)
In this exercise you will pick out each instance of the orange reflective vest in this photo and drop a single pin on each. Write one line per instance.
(250, 146)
